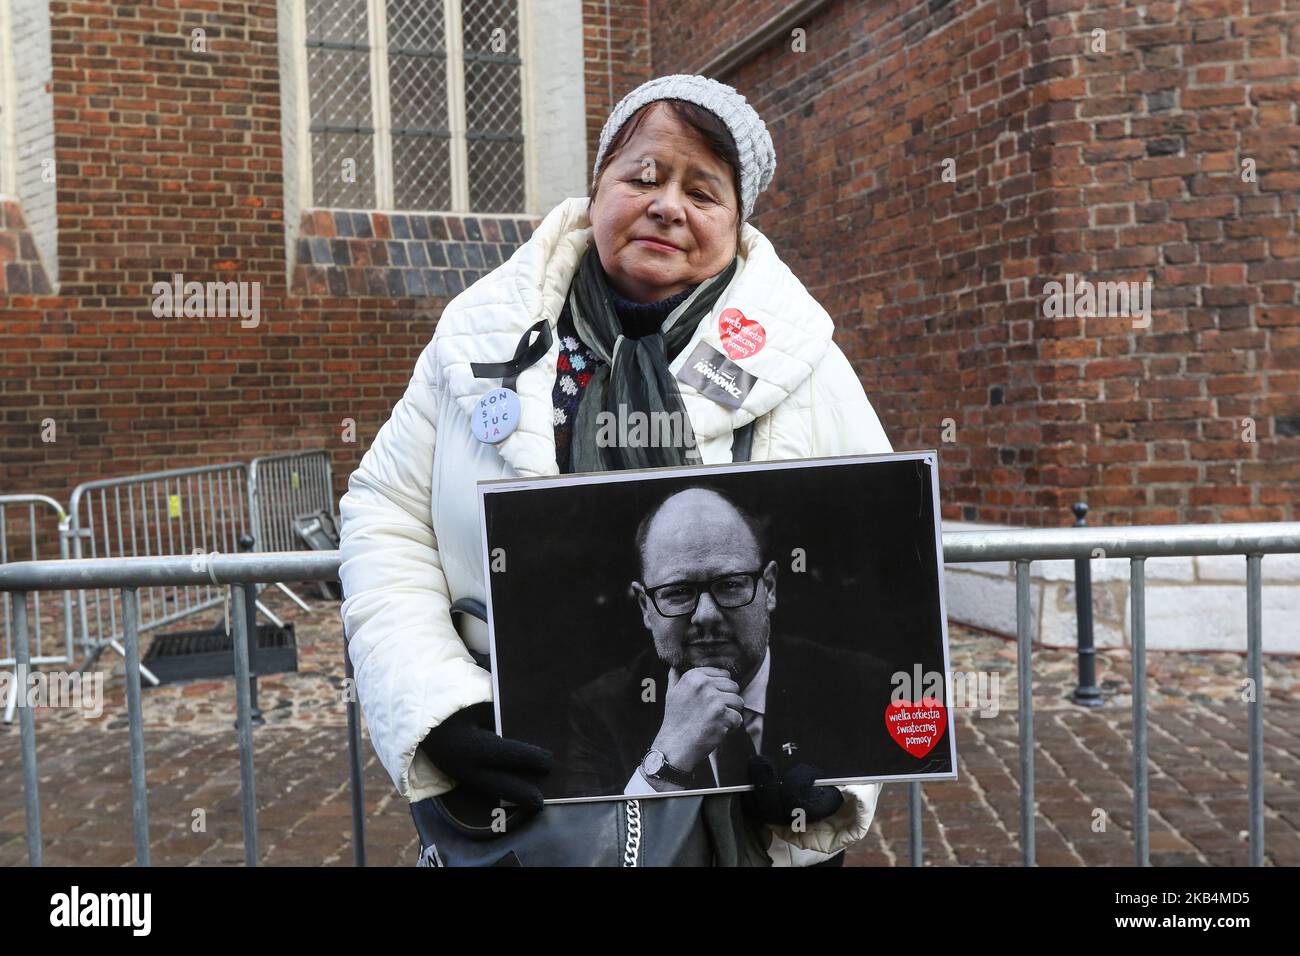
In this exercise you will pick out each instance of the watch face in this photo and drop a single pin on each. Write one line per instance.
(654, 760)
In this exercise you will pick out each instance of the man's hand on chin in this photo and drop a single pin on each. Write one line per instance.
(700, 709)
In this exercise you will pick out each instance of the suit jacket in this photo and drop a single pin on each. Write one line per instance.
(824, 706)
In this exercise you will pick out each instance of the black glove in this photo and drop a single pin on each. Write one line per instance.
(466, 748)
(775, 799)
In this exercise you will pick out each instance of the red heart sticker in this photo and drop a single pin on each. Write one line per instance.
(916, 726)
(741, 337)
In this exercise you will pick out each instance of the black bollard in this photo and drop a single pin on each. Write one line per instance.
(1087, 694)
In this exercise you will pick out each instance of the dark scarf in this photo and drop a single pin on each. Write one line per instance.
(644, 318)
(634, 373)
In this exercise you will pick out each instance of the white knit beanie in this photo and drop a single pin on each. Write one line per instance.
(757, 156)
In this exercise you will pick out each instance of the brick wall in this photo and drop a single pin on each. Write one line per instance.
(617, 47)
(170, 161)
(1107, 165)
(1116, 165)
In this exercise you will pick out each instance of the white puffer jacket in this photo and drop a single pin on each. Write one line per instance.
(410, 535)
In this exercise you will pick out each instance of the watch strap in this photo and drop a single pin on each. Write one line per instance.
(669, 773)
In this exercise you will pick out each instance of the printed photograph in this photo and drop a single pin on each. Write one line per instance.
(782, 610)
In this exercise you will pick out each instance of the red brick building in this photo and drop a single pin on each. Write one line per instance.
(939, 162)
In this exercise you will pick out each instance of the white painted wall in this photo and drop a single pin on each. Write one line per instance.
(292, 135)
(557, 103)
(1191, 603)
(33, 126)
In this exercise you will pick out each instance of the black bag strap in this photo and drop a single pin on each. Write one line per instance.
(478, 609)
(470, 606)
(742, 441)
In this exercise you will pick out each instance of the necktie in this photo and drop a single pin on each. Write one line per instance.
(733, 757)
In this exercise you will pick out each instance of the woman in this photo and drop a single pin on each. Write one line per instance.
(655, 265)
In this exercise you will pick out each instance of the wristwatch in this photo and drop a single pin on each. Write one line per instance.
(655, 764)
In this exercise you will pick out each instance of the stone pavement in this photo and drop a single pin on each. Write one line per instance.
(1196, 740)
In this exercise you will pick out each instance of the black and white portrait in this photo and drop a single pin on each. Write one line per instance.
(716, 613)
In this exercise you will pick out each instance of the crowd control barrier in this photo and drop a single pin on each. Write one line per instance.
(240, 572)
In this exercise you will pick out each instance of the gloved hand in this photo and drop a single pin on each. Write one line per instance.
(466, 748)
(775, 798)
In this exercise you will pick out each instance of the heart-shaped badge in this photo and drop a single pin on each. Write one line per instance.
(916, 726)
(741, 337)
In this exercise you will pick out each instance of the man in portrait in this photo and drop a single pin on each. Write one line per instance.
(716, 684)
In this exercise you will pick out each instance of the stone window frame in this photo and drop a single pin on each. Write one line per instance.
(8, 104)
(28, 192)
(556, 157)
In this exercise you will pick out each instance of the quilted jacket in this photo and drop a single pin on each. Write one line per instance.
(410, 535)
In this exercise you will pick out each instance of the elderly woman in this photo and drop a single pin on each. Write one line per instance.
(599, 310)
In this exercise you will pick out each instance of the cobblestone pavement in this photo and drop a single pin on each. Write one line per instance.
(1196, 740)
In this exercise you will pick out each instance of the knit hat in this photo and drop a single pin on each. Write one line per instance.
(757, 156)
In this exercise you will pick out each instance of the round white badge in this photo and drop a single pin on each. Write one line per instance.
(496, 416)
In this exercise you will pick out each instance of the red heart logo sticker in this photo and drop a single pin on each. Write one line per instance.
(916, 726)
(741, 337)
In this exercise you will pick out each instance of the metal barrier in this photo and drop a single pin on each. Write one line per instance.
(9, 528)
(184, 511)
(240, 572)
(1252, 541)
(282, 488)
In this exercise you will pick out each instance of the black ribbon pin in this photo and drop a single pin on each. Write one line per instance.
(498, 411)
(525, 356)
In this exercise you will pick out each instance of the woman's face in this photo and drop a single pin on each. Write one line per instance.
(665, 212)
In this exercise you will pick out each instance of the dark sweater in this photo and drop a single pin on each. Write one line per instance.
(577, 361)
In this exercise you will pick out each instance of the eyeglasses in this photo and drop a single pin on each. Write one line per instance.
(680, 598)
